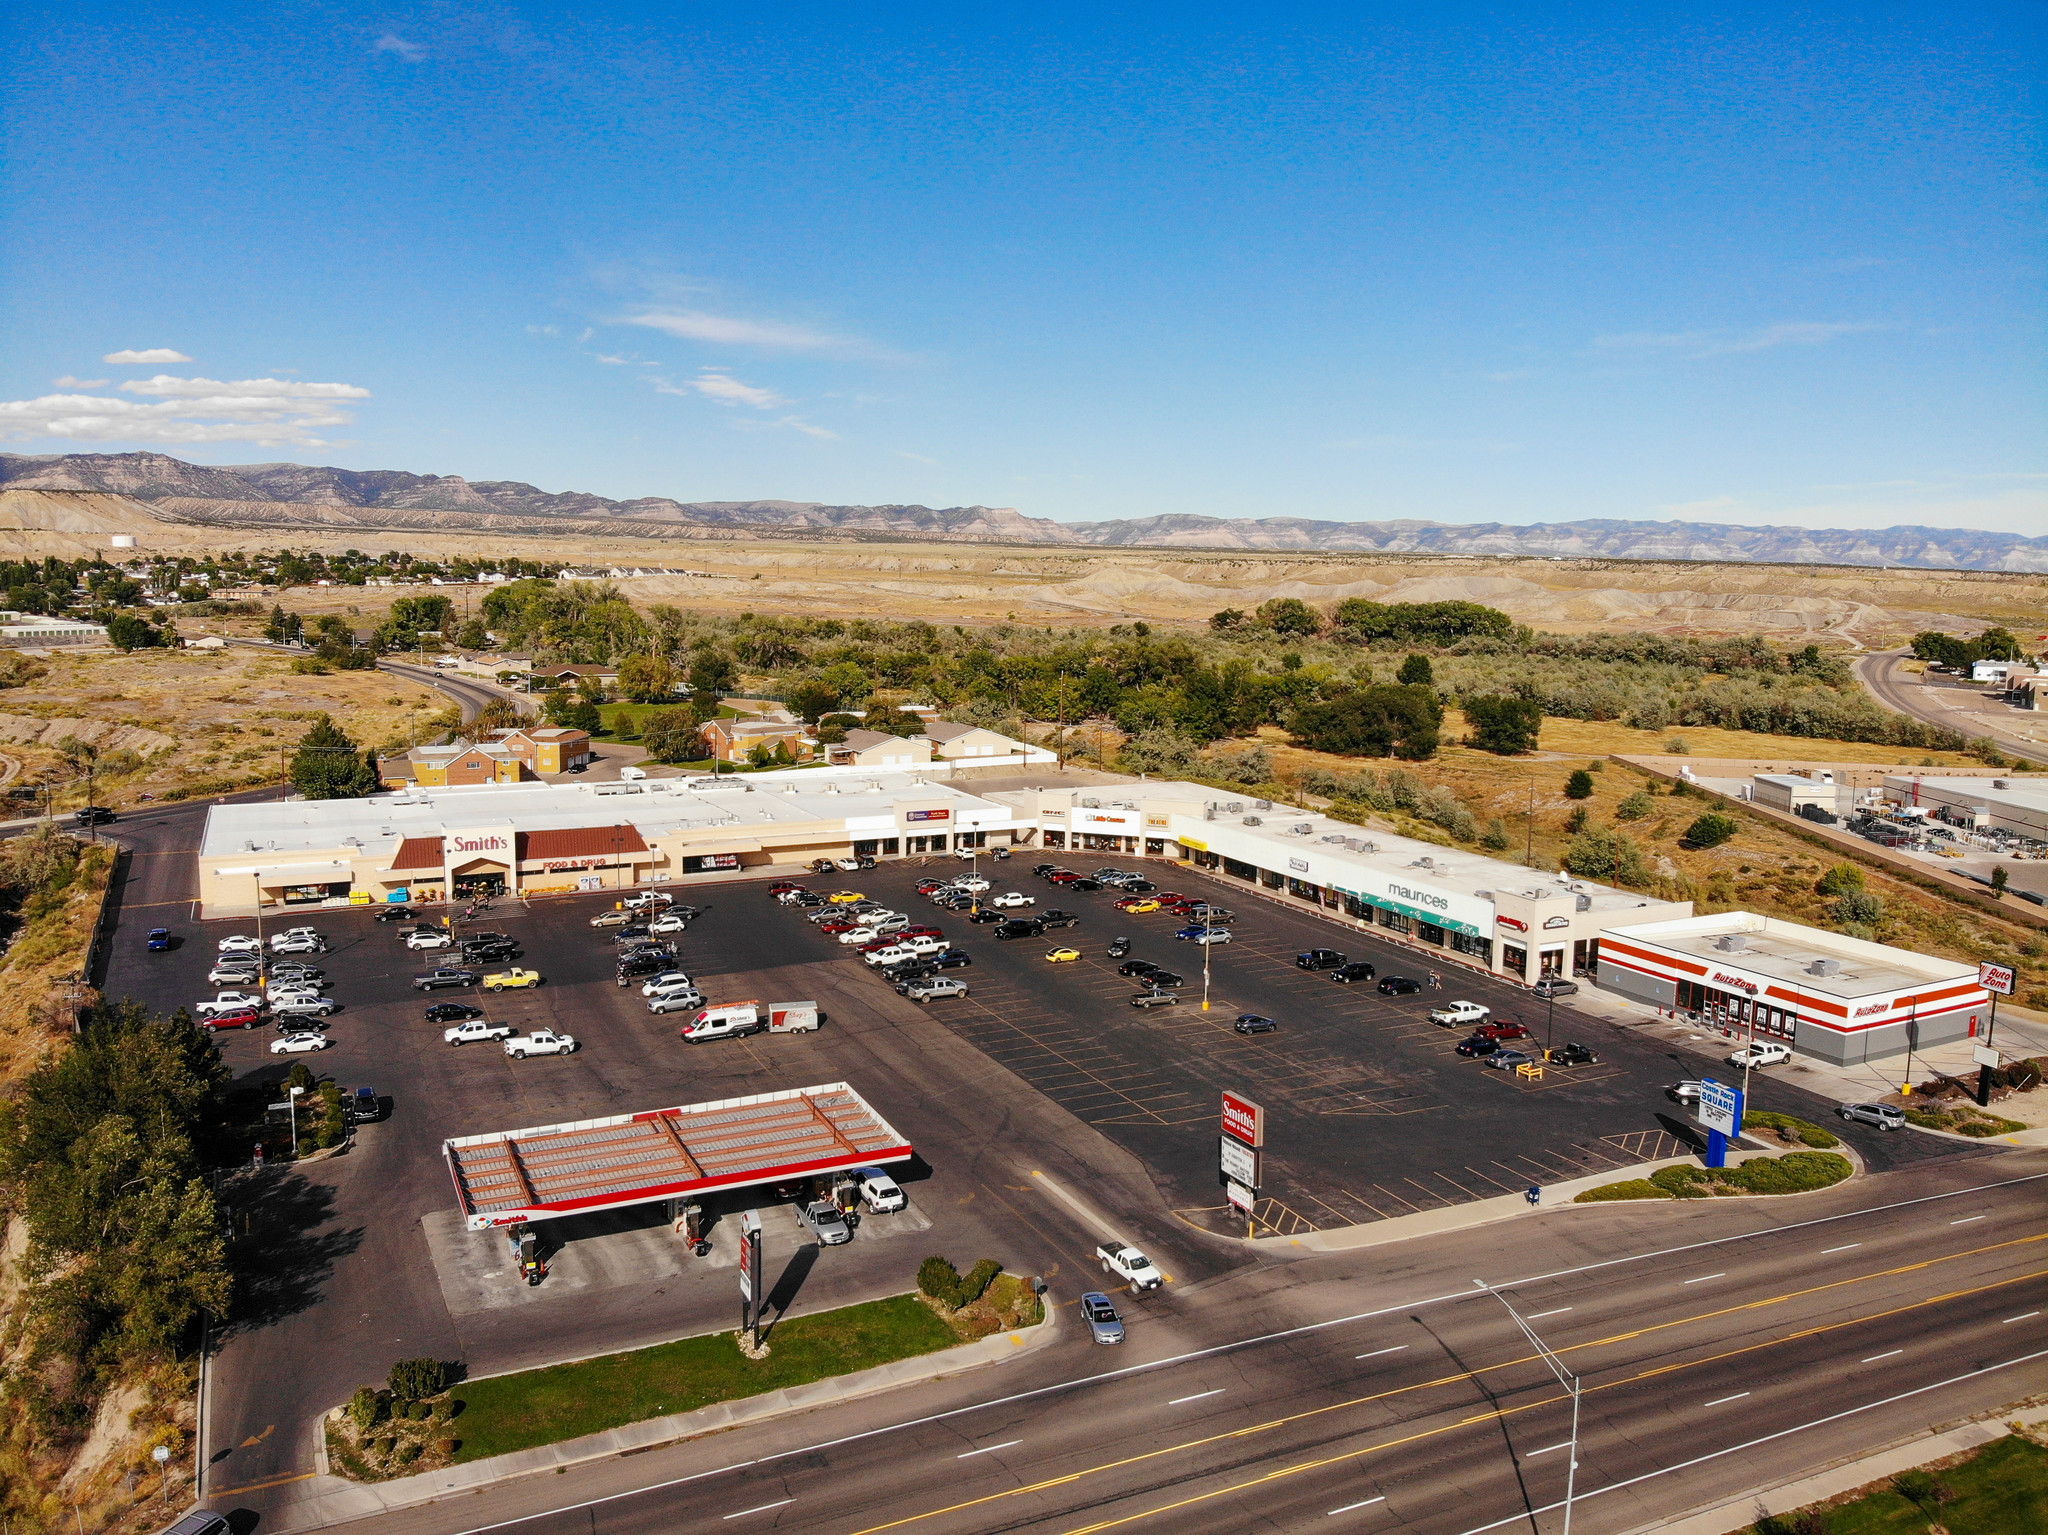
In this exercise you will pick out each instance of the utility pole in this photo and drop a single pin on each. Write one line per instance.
(1063, 722)
(1566, 1379)
(1529, 852)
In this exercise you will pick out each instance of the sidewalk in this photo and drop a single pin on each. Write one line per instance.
(325, 1499)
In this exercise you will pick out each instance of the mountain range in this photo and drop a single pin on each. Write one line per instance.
(303, 495)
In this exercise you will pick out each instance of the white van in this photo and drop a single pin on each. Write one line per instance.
(632, 774)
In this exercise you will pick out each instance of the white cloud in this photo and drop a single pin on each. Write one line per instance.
(68, 382)
(724, 330)
(391, 42)
(185, 411)
(808, 430)
(722, 387)
(151, 354)
(916, 458)
(543, 330)
(1716, 343)
(613, 362)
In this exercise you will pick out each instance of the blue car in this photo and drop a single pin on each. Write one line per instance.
(159, 939)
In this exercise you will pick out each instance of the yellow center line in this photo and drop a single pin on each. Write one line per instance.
(1441, 1380)
(222, 1492)
(1507, 1412)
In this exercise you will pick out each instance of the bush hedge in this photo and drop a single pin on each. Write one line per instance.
(1809, 1133)
(1796, 1172)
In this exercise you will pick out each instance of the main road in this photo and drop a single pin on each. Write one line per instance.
(1945, 703)
(1718, 1348)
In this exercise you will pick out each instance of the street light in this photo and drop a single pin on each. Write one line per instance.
(1208, 926)
(1566, 1379)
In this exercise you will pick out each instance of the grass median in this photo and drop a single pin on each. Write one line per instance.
(567, 1401)
(2001, 1489)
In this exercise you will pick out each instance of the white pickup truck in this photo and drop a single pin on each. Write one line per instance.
(738, 1019)
(1456, 1013)
(1128, 1264)
(540, 1042)
(476, 1031)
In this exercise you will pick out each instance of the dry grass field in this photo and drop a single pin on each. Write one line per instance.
(175, 722)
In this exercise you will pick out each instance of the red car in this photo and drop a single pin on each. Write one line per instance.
(924, 931)
(927, 886)
(837, 927)
(783, 887)
(237, 1018)
(1174, 898)
(1506, 1028)
(878, 944)
(1062, 877)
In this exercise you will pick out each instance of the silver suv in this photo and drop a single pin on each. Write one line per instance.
(1884, 1115)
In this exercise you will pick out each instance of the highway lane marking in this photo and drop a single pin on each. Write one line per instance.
(1702, 1279)
(990, 1449)
(1825, 1251)
(223, 1492)
(1495, 1416)
(2023, 1316)
(1723, 1401)
(1967, 1219)
(1539, 1316)
(762, 1509)
(1484, 1417)
(1348, 1507)
(1873, 1359)
(1281, 1335)
(1523, 1516)
(1379, 1351)
(1197, 1396)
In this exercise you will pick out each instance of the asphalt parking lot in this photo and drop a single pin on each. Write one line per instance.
(357, 1261)
(1371, 1114)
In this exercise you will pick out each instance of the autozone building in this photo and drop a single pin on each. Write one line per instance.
(1838, 998)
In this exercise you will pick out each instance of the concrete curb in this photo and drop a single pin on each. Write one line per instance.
(1737, 1514)
(330, 1499)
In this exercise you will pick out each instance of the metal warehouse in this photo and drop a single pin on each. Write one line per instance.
(1826, 995)
(518, 1176)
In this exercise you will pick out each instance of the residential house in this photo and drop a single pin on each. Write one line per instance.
(570, 676)
(441, 767)
(734, 740)
(951, 741)
(875, 749)
(546, 748)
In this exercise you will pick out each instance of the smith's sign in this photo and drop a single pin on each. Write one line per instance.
(489, 843)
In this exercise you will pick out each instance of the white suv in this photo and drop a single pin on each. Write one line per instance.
(1760, 1054)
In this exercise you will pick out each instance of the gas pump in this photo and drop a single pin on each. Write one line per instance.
(846, 1196)
(526, 1253)
(692, 1226)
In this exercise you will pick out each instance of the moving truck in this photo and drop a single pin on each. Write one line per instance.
(735, 1020)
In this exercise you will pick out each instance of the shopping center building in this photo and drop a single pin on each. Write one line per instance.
(1824, 994)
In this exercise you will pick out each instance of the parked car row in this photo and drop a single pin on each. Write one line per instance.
(909, 955)
(274, 979)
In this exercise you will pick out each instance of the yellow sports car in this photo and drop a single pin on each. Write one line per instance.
(845, 897)
(1061, 956)
(1144, 904)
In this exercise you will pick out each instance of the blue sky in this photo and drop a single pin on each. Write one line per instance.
(1380, 261)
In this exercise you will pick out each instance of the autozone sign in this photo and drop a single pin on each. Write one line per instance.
(1739, 982)
(1244, 1119)
(1998, 978)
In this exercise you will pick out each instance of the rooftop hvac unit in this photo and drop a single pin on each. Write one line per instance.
(1262, 804)
(1301, 828)
(1337, 837)
(1732, 943)
(1252, 820)
(1585, 902)
(1825, 967)
(1235, 807)
(1208, 812)
(1091, 804)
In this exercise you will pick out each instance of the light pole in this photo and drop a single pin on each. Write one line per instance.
(1566, 1379)
(292, 1101)
(1208, 927)
(974, 865)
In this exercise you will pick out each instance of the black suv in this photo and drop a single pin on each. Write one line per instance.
(1021, 927)
(1399, 986)
(1357, 970)
(1057, 918)
(952, 959)
(94, 815)
(1136, 967)
(1320, 959)
(394, 914)
(641, 964)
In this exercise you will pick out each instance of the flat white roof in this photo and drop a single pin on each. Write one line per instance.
(1785, 951)
(2018, 793)
(656, 806)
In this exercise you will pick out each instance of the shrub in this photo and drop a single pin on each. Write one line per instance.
(1496, 838)
(1677, 746)
(412, 1379)
(1628, 1188)
(446, 1448)
(366, 1407)
(1861, 909)
(1600, 853)
(937, 1278)
(1634, 807)
(1681, 1181)
(1842, 879)
(1710, 830)
(1809, 1134)
(407, 1454)
(1794, 1173)
(977, 1280)
(1506, 725)
(1579, 785)
(1414, 671)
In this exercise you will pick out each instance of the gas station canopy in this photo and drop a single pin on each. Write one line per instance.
(514, 1176)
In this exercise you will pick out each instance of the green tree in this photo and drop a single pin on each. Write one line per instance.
(1416, 672)
(1378, 721)
(1599, 852)
(1841, 879)
(1710, 830)
(849, 684)
(473, 635)
(583, 715)
(1162, 751)
(125, 631)
(760, 755)
(1859, 910)
(1999, 880)
(1505, 725)
(328, 765)
(712, 671)
(671, 735)
(1289, 615)
(809, 700)
(646, 679)
(1579, 785)
(1227, 619)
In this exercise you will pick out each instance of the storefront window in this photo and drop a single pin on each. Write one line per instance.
(1429, 932)
(1155, 844)
(1551, 961)
(1586, 956)
(1306, 891)
(302, 895)
(1394, 922)
(1239, 870)
(1054, 837)
(1354, 907)
(1270, 878)
(1514, 959)
(1479, 948)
